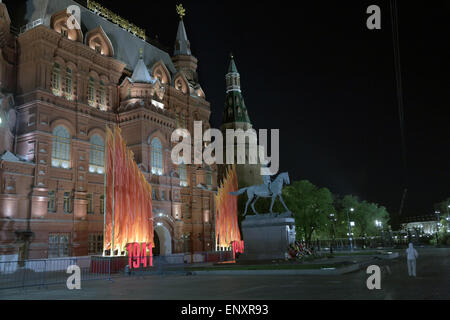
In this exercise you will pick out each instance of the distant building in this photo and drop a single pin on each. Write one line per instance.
(421, 224)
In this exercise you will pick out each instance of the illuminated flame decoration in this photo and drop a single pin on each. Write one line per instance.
(227, 228)
(128, 214)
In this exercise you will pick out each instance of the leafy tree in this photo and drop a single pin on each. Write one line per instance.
(363, 214)
(443, 207)
(311, 207)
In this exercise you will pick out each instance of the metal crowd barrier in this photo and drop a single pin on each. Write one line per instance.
(44, 272)
(41, 273)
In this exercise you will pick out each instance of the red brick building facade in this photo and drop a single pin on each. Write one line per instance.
(60, 88)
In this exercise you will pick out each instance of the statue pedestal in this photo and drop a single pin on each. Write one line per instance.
(267, 237)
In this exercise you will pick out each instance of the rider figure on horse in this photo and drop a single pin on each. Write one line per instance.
(267, 182)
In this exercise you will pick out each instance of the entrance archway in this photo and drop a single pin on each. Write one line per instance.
(165, 240)
(157, 249)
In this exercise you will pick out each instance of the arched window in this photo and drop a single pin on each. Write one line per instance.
(157, 157)
(96, 155)
(179, 85)
(69, 88)
(56, 80)
(159, 75)
(61, 148)
(101, 91)
(91, 92)
(183, 175)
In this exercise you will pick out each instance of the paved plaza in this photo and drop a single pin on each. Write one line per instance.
(432, 282)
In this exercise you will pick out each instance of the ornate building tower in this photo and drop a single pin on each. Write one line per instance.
(235, 116)
(183, 59)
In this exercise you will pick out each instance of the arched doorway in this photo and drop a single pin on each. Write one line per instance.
(157, 249)
(162, 235)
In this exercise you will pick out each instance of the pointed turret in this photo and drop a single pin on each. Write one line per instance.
(183, 59)
(235, 117)
(232, 68)
(182, 44)
(235, 110)
(140, 73)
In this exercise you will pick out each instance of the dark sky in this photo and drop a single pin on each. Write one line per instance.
(313, 70)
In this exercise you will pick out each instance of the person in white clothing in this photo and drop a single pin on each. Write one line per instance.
(411, 256)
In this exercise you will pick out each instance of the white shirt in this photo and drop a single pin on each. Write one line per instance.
(411, 253)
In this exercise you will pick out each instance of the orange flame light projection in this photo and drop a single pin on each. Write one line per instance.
(227, 228)
(128, 214)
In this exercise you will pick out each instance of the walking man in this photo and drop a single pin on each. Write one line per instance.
(411, 256)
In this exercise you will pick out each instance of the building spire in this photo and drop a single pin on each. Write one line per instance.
(232, 68)
(182, 44)
(233, 78)
(235, 110)
(140, 73)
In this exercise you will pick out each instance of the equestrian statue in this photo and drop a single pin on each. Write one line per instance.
(270, 189)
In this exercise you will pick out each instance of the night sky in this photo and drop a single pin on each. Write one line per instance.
(313, 70)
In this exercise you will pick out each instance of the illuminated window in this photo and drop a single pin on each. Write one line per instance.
(98, 48)
(102, 94)
(69, 89)
(56, 80)
(183, 175)
(159, 75)
(179, 85)
(90, 207)
(51, 201)
(58, 245)
(67, 203)
(61, 148)
(91, 92)
(157, 157)
(96, 155)
(95, 243)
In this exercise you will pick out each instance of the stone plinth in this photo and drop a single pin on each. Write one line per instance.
(267, 236)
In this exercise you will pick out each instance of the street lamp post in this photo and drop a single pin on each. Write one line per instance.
(349, 229)
(332, 232)
(379, 224)
(437, 226)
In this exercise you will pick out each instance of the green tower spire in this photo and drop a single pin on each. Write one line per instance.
(235, 109)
